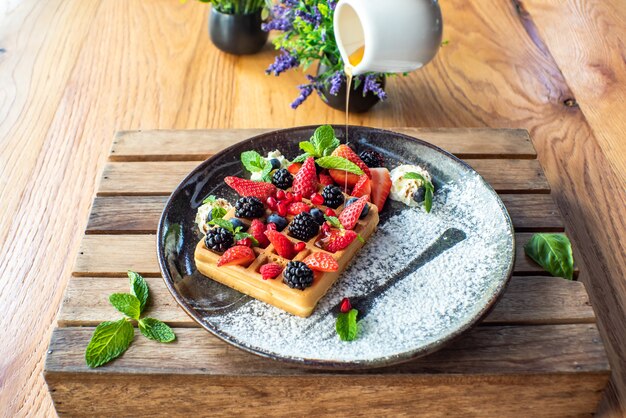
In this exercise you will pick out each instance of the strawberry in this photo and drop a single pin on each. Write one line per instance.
(363, 187)
(294, 168)
(270, 270)
(257, 230)
(297, 207)
(245, 241)
(236, 256)
(346, 152)
(321, 262)
(381, 185)
(305, 180)
(299, 246)
(338, 239)
(343, 178)
(349, 216)
(282, 244)
(326, 180)
(244, 187)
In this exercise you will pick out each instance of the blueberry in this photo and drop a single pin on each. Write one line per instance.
(318, 215)
(365, 210)
(419, 194)
(237, 222)
(278, 220)
(275, 163)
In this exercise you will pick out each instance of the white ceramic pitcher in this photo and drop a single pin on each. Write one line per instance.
(398, 35)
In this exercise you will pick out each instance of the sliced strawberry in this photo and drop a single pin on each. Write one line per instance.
(238, 255)
(346, 152)
(270, 270)
(244, 187)
(282, 244)
(363, 187)
(349, 216)
(338, 239)
(326, 179)
(321, 262)
(257, 230)
(294, 168)
(343, 178)
(305, 180)
(381, 185)
(297, 207)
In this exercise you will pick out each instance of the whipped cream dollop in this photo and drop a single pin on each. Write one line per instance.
(203, 213)
(402, 189)
(284, 163)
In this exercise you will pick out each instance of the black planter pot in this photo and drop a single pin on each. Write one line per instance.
(237, 34)
(358, 103)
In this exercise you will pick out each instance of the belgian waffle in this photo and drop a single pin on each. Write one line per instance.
(248, 279)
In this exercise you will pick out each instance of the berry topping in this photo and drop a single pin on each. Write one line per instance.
(333, 197)
(257, 230)
(297, 275)
(349, 216)
(420, 194)
(289, 197)
(346, 306)
(297, 197)
(246, 187)
(304, 227)
(237, 223)
(299, 246)
(325, 179)
(280, 194)
(271, 202)
(275, 163)
(298, 207)
(271, 227)
(282, 244)
(236, 256)
(279, 221)
(219, 239)
(282, 208)
(346, 152)
(330, 212)
(245, 241)
(365, 210)
(320, 261)
(363, 187)
(317, 199)
(318, 215)
(305, 181)
(372, 158)
(293, 168)
(249, 207)
(381, 185)
(343, 178)
(338, 239)
(270, 271)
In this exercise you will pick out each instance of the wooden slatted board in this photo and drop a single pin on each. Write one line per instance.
(538, 353)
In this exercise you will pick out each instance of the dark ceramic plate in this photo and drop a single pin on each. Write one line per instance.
(421, 280)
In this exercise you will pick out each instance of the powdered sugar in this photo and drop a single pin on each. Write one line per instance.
(426, 306)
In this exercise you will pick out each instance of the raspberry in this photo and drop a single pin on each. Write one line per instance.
(270, 271)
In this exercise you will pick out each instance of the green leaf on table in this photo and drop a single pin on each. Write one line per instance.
(339, 163)
(138, 288)
(346, 325)
(553, 252)
(127, 304)
(109, 341)
(156, 330)
(429, 189)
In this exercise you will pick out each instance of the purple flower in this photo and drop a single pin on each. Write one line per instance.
(332, 4)
(281, 19)
(305, 92)
(371, 84)
(335, 82)
(314, 18)
(282, 63)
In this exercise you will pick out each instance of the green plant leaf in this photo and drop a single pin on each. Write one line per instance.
(253, 161)
(339, 163)
(109, 341)
(138, 288)
(307, 147)
(156, 330)
(346, 325)
(428, 199)
(265, 173)
(428, 186)
(301, 158)
(323, 139)
(218, 212)
(227, 225)
(127, 304)
(241, 235)
(209, 199)
(553, 252)
(333, 221)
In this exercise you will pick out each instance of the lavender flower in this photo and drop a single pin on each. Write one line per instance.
(335, 82)
(371, 84)
(314, 18)
(282, 63)
(305, 92)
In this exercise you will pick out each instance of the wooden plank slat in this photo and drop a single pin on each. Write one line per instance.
(527, 300)
(197, 145)
(140, 214)
(159, 178)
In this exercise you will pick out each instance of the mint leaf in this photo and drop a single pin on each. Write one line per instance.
(428, 199)
(301, 158)
(241, 235)
(138, 288)
(209, 199)
(553, 252)
(346, 325)
(333, 221)
(253, 161)
(308, 147)
(156, 330)
(227, 225)
(323, 139)
(218, 212)
(428, 186)
(265, 173)
(331, 148)
(109, 341)
(339, 163)
(127, 304)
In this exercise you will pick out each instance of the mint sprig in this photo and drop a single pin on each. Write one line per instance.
(339, 163)
(254, 163)
(111, 339)
(237, 233)
(428, 186)
(322, 144)
(346, 325)
(209, 199)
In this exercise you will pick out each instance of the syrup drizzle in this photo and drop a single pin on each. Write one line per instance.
(353, 60)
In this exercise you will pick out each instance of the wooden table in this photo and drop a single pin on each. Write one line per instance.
(538, 350)
(72, 72)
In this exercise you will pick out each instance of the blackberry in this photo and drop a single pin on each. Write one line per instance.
(304, 227)
(297, 275)
(372, 159)
(333, 198)
(249, 207)
(219, 239)
(365, 210)
(282, 179)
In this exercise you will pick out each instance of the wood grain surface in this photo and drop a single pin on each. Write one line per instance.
(128, 65)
